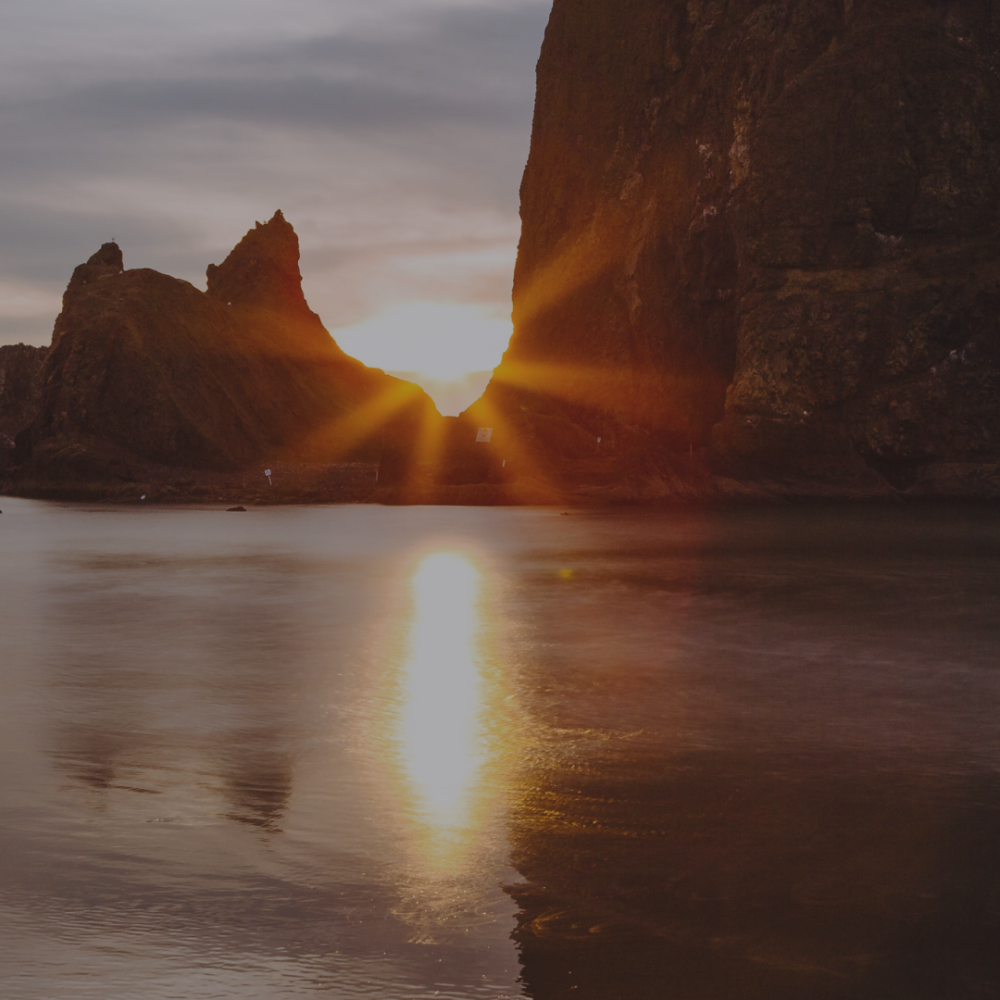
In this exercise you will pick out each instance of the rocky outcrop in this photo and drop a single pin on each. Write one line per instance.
(145, 369)
(20, 392)
(760, 242)
(262, 273)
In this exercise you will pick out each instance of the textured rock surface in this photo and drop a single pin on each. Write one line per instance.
(263, 272)
(762, 235)
(19, 389)
(145, 368)
(20, 392)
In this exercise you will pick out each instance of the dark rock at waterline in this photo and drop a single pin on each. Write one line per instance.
(760, 244)
(146, 371)
(236, 510)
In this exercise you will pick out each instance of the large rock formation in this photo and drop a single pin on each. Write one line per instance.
(760, 239)
(145, 368)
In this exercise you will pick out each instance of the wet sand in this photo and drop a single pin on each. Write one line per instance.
(616, 754)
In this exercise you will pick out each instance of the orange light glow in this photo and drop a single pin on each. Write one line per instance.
(447, 735)
(336, 439)
(447, 731)
(440, 724)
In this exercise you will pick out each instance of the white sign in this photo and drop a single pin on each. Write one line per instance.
(484, 435)
(267, 472)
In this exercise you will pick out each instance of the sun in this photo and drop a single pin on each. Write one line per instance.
(433, 342)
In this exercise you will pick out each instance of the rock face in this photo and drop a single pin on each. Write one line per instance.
(762, 235)
(20, 392)
(262, 272)
(145, 368)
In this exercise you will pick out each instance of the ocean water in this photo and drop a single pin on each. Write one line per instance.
(400, 753)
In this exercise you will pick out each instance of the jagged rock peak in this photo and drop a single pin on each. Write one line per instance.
(108, 261)
(262, 270)
(110, 255)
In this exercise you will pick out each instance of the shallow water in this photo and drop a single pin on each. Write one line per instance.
(349, 751)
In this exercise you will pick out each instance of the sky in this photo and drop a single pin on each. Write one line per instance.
(391, 133)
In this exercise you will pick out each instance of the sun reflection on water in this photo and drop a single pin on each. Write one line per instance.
(441, 719)
(446, 731)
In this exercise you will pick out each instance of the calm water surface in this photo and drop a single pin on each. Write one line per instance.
(486, 753)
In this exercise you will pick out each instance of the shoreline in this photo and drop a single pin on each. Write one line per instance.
(356, 483)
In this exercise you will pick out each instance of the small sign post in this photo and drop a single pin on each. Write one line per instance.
(484, 435)
(267, 472)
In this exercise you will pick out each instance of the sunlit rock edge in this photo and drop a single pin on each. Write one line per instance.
(759, 253)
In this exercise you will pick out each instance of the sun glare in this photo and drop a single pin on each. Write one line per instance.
(443, 340)
(442, 688)
(448, 732)
(448, 736)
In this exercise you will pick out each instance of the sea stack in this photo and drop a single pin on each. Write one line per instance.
(760, 242)
(147, 370)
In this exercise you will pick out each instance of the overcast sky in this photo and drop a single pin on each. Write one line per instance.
(392, 133)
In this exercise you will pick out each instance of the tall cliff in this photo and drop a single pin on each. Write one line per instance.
(145, 368)
(761, 235)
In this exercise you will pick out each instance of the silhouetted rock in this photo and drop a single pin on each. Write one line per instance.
(263, 272)
(760, 241)
(20, 392)
(145, 369)
(106, 263)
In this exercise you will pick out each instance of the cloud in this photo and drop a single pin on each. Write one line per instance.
(393, 135)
